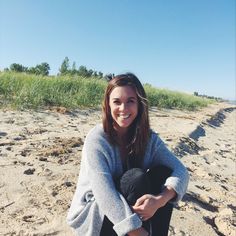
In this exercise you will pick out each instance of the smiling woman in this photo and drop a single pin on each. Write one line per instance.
(128, 178)
(124, 107)
(126, 97)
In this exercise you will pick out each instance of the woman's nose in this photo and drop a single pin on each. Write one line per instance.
(122, 106)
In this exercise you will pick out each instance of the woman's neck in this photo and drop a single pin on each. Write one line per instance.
(122, 139)
(122, 135)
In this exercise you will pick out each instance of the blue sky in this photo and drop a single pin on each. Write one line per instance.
(183, 45)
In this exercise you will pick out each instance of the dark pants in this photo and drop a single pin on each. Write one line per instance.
(133, 184)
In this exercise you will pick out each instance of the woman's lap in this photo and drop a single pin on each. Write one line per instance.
(133, 184)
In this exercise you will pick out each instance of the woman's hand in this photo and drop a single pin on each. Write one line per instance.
(148, 204)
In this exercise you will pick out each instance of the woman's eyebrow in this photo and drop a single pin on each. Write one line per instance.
(127, 98)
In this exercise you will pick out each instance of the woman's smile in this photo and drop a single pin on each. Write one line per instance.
(124, 107)
(124, 116)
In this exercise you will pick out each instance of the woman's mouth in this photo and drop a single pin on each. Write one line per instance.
(124, 116)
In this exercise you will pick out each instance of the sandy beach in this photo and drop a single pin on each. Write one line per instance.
(40, 155)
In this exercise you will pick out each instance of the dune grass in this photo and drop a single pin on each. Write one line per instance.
(164, 98)
(21, 91)
(30, 91)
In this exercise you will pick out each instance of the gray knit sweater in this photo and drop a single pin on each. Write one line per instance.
(96, 195)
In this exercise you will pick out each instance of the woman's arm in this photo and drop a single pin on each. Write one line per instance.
(166, 195)
(161, 155)
(148, 204)
(173, 189)
(99, 161)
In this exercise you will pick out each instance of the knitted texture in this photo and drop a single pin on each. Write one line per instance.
(96, 194)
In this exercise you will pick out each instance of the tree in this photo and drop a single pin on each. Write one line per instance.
(100, 74)
(89, 73)
(43, 68)
(108, 77)
(18, 68)
(32, 70)
(64, 69)
(83, 71)
(73, 70)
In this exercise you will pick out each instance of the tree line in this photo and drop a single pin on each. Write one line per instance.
(206, 96)
(41, 69)
(65, 69)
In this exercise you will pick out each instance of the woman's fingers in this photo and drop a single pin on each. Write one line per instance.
(140, 200)
(137, 210)
(145, 206)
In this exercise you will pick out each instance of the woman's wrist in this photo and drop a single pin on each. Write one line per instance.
(166, 195)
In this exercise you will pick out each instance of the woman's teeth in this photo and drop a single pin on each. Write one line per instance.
(124, 116)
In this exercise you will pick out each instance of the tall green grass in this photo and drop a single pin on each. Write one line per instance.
(21, 91)
(30, 91)
(164, 98)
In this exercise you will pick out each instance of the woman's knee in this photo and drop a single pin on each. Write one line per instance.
(133, 175)
(157, 177)
(161, 171)
(133, 184)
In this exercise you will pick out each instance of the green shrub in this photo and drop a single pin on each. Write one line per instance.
(22, 90)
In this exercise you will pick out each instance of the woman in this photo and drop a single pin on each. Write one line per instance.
(128, 179)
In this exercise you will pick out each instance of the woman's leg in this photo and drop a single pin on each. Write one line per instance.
(107, 228)
(133, 184)
(161, 219)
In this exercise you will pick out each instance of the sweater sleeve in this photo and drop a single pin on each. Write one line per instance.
(97, 153)
(179, 178)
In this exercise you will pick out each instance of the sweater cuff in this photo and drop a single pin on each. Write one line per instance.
(173, 183)
(128, 224)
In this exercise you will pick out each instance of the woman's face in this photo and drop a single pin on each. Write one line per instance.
(123, 104)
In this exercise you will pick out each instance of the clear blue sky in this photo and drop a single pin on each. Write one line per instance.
(183, 45)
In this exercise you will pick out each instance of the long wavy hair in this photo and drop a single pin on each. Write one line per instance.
(139, 130)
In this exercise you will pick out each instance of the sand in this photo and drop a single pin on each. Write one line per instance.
(40, 155)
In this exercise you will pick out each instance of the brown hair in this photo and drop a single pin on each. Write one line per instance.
(139, 131)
